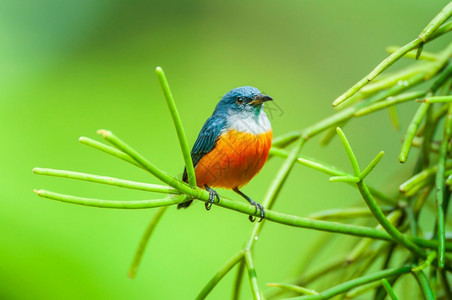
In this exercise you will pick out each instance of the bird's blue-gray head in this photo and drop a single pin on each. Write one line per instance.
(245, 99)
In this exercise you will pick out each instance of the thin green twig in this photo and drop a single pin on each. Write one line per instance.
(342, 213)
(219, 275)
(412, 54)
(440, 185)
(256, 291)
(409, 96)
(373, 206)
(178, 125)
(293, 288)
(424, 285)
(160, 174)
(275, 188)
(144, 241)
(109, 150)
(389, 289)
(118, 204)
(270, 215)
(346, 286)
(148, 187)
(411, 131)
(238, 280)
(439, 19)
(426, 34)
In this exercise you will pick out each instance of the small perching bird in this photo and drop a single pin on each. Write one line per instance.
(233, 145)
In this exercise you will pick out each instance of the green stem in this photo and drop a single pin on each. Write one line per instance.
(346, 286)
(144, 241)
(386, 63)
(309, 162)
(162, 175)
(107, 180)
(394, 117)
(446, 286)
(421, 177)
(390, 229)
(348, 179)
(424, 285)
(389, 289)
(219, 275)
(363, 289)
(372, 165)
(392, 79)
(178, 125)
(411, 131)
(445, 28)
(270, 215)
(349, 151)
(256, 291)
(437, 99)
(389, 102)
(372, 204)
(109, 150)
(342, 213)
(363, 245)
(440, 185)
(426, 34)
(439, 19)
(238, 280)
(293, 288)
(412, 54)
(120, 204)
(275, 188)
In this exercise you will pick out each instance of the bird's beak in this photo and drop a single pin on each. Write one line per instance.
(259, 99)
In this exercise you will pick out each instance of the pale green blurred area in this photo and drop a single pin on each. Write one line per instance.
(69, 68)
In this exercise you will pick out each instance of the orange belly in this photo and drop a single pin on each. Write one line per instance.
(235, 160)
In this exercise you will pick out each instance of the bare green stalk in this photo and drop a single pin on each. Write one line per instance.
(389, 289)
(346, 286)
(148, 187)
(219, 275)
(109, 150)
(293, 288)
(373, 206)
(426, 35)
(424, 285)
(178, 125)
(144, 241)
(440, 186)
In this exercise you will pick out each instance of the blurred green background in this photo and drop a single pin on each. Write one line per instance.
(69, 68)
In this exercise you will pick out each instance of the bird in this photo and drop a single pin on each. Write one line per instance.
(232, 146)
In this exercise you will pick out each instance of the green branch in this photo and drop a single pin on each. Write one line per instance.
(178, 125)
(243, 208)
(346, 286)
(148, 187)
(219, 275)
(426, 35)
(440, 186)
(144, 241)
(372, 204)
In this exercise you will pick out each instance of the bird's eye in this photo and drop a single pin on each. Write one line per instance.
(239, 100)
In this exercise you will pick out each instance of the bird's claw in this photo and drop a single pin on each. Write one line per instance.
(212, 195)
(262, 212)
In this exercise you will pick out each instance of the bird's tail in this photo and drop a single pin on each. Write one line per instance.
(184, 204)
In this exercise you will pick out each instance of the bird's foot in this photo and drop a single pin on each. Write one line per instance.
(253, 203)
(261, 209)
(212, 195)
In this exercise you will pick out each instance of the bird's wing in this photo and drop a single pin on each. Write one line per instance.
(206, 140)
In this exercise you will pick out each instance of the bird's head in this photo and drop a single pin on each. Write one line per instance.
(245, 99)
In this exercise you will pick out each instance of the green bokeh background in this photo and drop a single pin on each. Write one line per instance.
(69, 68)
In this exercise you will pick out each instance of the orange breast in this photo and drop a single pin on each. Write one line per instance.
(235, 160)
